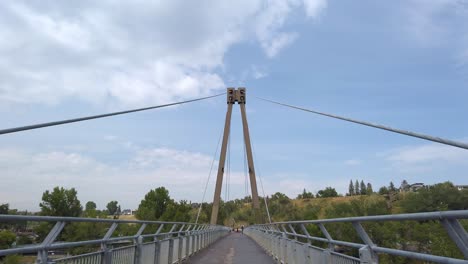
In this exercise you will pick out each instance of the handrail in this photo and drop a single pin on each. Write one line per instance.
(273, 237)
(191, 236)
(460, 214)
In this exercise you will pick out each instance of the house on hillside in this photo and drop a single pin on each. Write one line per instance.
(461, 187)
(416, 186)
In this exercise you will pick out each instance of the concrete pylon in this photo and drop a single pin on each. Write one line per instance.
(233, 96)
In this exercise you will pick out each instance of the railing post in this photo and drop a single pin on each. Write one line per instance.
(194, 240)
(157, 250)
(138, 250)
(187, 241)
(366, 254)
(42, 255)
(157, 245)
(170, 252)
(106, 252)
(180, 244)
(285, 248)
(457, 233)
(138, 241)
(331, 247)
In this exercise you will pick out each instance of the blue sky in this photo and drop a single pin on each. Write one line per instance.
(399, 63)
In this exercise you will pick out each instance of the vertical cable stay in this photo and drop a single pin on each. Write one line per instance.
(394, 130)
(246, 179)
(209, 176)
(261, 182)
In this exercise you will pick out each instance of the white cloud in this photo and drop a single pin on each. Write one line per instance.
(258, 72)
(437, 23)
(314, 7)
(428, 154)
(132, 53)
(432, 157)
(26, 174)
(276, 44)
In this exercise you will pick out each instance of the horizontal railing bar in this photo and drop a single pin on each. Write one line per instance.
(460, 214)
(80, 256)
(78, 219)
(344, 255)
(321, 239)
(266, 230)
(124, 247)
(416, 255)
(10, 251)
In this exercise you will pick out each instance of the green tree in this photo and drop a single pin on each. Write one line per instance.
(405, 186)
(363, 188)
(61, 202)
(351, 188)
(90, 205)
(6, 239)
(155, 203)
(281, 198)
(439, 197)
(112, 207)
(328, 192)
(4, 208)
(391, 187)
(305, 195)
(356, 188)
(12, 259)
(90, 209)
(369, 190)
(383, 190)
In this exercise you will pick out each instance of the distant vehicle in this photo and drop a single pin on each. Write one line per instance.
(127, 212)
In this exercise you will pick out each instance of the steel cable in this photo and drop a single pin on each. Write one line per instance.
(394, 130)
(74, 120)
(209, 176)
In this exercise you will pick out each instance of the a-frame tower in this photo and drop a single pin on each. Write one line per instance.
(233, 96)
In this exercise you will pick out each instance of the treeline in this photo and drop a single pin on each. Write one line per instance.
(156, 205)
(424, 236)
(357, 188)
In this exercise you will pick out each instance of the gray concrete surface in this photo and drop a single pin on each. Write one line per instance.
(234, 248)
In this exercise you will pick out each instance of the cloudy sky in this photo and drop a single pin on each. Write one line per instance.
(399, 63)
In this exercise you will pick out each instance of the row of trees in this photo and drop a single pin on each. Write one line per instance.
(357, 188)
(325, 193)
(65, 202)
(158, 205)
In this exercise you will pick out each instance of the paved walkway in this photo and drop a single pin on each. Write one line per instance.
(234, 248)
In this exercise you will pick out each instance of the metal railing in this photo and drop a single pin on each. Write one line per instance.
(290, 242)
(172, 242)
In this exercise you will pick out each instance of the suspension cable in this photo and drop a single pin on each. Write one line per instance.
(209, 176)
(67, 121)
(246, 181)
(229, 169)
(394, 130)
(261, 181)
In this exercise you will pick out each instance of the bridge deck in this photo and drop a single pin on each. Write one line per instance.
(234, 248)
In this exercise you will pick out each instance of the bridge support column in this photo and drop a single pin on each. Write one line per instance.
(233, 96)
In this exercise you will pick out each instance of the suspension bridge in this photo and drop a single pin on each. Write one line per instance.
(263, 242)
